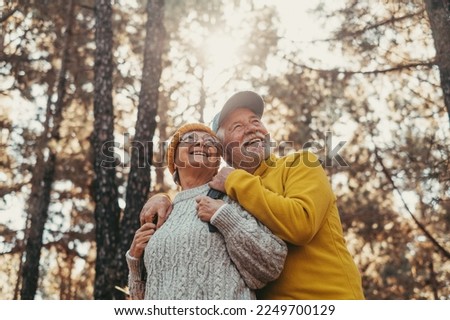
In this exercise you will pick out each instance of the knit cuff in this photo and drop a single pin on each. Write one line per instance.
(226, 219)
(134, 266)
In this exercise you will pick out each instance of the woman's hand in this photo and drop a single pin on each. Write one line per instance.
(206, 207)
(141, 238)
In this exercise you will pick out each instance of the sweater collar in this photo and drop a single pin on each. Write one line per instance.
(190, 193)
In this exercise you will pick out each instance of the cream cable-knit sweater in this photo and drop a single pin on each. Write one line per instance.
(186, 261)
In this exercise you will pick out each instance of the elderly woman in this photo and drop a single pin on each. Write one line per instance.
(183, 258)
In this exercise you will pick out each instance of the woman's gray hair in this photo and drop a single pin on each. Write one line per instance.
(176, 177)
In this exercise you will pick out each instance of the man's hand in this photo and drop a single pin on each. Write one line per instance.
(206, 207)
(141, 238)
(218, 181)
(158, 206)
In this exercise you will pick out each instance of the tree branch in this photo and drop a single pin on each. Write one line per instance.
(344, 34)
(386, 172)
(8, 14)
(19, 58)
(399, 67)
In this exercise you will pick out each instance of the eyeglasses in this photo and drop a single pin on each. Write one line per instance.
(194, 138)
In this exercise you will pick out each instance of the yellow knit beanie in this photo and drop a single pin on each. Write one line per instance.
(173, 145)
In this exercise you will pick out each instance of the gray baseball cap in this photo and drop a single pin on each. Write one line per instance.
(242, 99)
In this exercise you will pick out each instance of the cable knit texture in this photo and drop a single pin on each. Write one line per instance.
(186, 261)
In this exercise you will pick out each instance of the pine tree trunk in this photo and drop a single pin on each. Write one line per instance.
(160, 155)
(142, 152)
(439, 16)
(43, 176)
(38, 210)
(104, 185)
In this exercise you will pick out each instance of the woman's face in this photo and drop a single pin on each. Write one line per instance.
(198, 149)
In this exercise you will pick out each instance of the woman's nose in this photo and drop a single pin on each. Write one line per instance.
(202, 142)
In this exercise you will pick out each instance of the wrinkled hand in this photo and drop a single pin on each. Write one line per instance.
(158, 206)
(206, 207)
(141, 238)
(218, 181)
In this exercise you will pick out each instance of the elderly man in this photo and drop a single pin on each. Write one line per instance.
(291, 195)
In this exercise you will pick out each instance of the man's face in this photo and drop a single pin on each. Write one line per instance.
(246, 141)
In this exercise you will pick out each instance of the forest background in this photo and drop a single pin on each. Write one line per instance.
(90, 92)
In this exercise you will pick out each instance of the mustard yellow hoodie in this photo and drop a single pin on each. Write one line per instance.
(293, 198)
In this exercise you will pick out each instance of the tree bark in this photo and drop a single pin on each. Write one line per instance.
(105, 192)
(139, 179)
(43, 176)
(439, 16)
(159, 157)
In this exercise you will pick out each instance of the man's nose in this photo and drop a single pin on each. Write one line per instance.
(250, 127)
